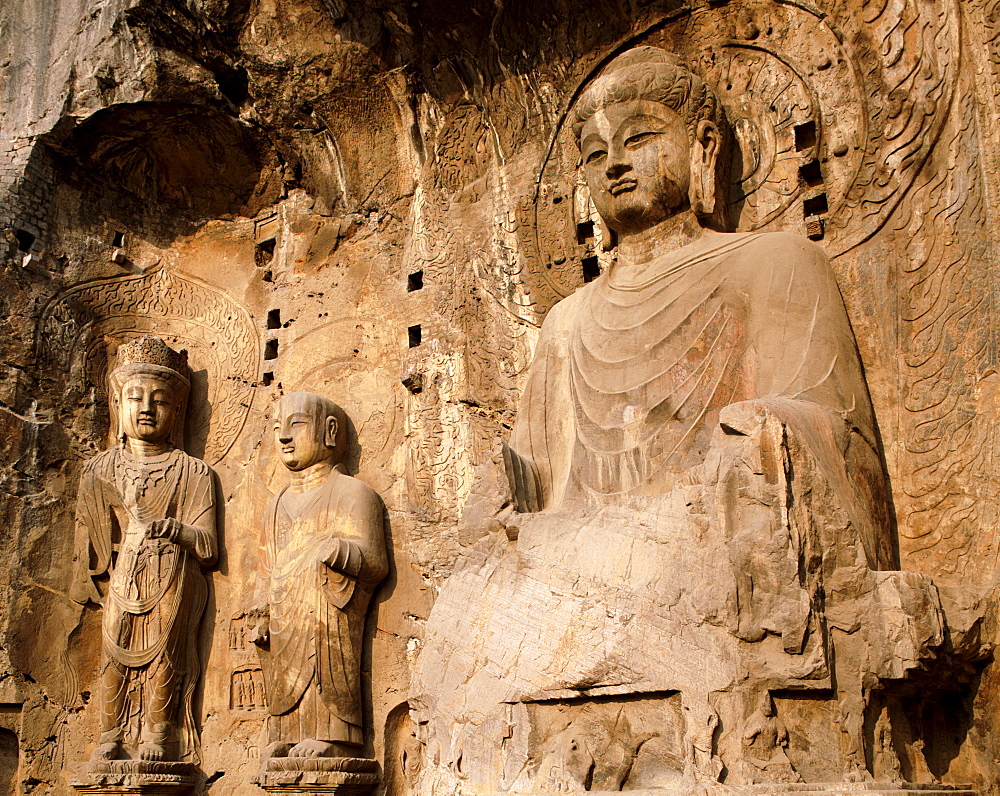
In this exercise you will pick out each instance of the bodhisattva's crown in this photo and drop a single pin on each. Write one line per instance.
(152, 351)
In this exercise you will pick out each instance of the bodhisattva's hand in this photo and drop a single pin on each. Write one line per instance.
(173, 531)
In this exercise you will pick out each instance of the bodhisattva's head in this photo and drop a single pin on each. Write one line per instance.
(650, 134)
(150, 407)
(149, 389)
(309, 429)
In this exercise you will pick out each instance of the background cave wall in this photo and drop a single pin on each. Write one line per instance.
(318, 180)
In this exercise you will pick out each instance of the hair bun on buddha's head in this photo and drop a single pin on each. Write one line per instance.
(654, 74)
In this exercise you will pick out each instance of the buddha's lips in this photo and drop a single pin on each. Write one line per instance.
(621, 186)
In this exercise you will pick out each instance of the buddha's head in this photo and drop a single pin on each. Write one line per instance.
(309, 429)
(149, 390)
(650, 134)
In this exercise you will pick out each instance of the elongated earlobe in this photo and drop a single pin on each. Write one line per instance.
(330, 438)
(704, 153)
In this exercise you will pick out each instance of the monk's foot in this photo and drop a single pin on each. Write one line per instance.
(112, 750)
(313, 748)
(153, 752)
(276, 749)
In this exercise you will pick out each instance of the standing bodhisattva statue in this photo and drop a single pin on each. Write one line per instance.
(322, 553)
(149, 511)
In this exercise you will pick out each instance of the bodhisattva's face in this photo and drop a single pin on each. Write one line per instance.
(637, 162)
(301, 440)
(149, 407)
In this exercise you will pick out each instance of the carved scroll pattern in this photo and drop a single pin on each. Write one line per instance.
(948, 306)
(475, 333)
(835, 113)
(218, 332)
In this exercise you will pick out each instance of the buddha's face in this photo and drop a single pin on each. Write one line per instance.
(637, 159)
(149, 408)
(302, 438)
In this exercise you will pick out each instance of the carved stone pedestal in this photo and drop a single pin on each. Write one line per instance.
(693, 788)
(135, 776)
(345, 776)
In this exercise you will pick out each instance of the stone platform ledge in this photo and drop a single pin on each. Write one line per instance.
(792, 789)
(345, 776)
(144, 777)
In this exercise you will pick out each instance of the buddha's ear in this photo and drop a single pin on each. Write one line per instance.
(704, 154)
(330, 432)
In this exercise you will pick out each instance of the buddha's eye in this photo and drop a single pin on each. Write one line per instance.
(596, 155)
(638, 139)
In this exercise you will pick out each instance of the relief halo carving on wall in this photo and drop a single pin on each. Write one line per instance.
(81, 327)
(834, 114)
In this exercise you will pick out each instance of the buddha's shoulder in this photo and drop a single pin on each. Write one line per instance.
(781, 247)
(563, 310)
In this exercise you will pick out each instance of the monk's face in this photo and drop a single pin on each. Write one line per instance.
(299, 433)
(149, 407)
(637, 161)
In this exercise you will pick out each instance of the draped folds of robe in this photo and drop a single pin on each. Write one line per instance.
(632, 371)
(157, 592)
(316, 573)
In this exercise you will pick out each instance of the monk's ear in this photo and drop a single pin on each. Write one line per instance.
(330, 432)
(704, 154)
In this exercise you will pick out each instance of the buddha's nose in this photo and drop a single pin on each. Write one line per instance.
(616, 165)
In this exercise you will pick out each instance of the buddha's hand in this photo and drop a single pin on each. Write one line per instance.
(525, 486)
(258, 623)
(744, 417)
(748, 445)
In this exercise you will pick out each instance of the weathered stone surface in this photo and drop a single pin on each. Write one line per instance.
(382, 204)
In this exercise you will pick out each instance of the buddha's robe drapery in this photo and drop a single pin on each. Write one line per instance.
(157, 592)
(631, 374)
(318, 565)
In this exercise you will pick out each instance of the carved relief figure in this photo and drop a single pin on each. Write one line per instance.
(691, 327)
(149, 512)
(765, 739)
(322, 552)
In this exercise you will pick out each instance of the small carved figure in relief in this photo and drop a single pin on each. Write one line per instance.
(322, 553)
(566, 764)
(765, 739)
(148, 509)
(886, 763)
(702, 723)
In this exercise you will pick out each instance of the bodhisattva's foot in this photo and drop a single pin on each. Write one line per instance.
(112, 750)
(152, 752)
(277, 749)
(313, 748)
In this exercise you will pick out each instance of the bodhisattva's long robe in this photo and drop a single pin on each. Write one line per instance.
(317, 570)
(157, 591)
(632, 371)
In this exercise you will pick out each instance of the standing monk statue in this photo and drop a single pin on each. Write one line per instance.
(149, 511)
(322, 553)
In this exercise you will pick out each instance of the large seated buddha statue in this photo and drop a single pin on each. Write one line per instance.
(700, 512)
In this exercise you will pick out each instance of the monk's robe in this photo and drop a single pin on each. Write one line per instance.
(157, 591)
(318, 564)
(632, 372)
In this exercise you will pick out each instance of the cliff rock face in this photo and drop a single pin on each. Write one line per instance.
(380, 203)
